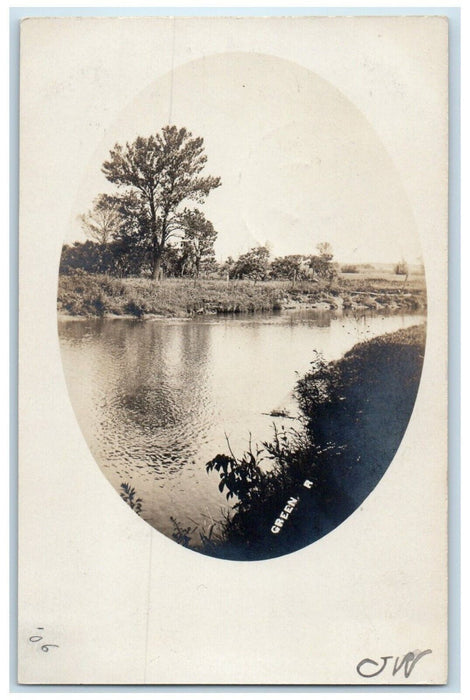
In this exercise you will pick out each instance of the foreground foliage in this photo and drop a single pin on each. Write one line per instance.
(354, 414)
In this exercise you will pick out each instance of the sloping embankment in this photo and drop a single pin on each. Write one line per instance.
(356, 412)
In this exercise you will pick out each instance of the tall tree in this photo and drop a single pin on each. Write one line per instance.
(101, 223)
(164, 171)
(198, 242)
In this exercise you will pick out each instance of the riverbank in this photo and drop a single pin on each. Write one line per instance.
(306, 482)
(86, 295)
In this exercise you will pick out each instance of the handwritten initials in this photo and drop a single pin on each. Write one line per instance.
(408, 662)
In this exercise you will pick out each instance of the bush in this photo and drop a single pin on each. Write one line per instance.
(263, 481)
(401, 268)
(342, 450)
(136, 308)
(319, 386)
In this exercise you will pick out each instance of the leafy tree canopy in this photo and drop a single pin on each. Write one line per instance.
(162, 171)
(252, 265)
(197, 244)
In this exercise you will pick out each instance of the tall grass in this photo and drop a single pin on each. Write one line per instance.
(84, 294)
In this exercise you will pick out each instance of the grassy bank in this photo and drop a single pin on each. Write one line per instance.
(304, 483)
(99, 295)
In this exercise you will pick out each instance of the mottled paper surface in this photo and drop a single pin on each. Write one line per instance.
(122, 602)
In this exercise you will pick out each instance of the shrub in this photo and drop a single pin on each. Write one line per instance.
(136, 308)
(401, 268)
(319, 386)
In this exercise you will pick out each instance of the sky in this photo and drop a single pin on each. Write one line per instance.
(298, 161)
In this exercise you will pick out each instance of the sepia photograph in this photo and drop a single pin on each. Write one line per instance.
(242, 307)
(233, 250)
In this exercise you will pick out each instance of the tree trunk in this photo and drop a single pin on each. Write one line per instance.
(157, 267)
(159, 248)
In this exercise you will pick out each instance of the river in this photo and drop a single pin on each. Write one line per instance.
(157, 399)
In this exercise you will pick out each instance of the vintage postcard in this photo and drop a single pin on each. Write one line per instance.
(233, 350)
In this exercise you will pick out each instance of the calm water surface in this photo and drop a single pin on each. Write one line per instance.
(156, 399)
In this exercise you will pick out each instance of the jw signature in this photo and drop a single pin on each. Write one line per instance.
(367, 668)
(36, 638)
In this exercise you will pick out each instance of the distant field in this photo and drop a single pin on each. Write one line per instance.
(414, 278)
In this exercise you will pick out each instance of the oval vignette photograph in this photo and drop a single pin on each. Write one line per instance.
(242, 306)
